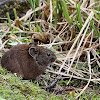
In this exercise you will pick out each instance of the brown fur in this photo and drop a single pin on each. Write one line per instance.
(28, 61)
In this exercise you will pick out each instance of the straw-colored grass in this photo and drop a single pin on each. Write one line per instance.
(71, 29)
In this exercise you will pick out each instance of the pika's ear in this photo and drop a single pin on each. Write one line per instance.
(33, 51)
(32, 44)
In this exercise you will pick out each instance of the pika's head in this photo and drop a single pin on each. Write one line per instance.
(43, 56)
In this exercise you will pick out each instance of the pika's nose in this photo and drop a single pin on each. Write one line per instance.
(53, 59)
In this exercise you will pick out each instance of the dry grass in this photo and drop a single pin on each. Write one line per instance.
(77, 49)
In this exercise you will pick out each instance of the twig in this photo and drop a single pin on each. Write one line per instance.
(88, 58)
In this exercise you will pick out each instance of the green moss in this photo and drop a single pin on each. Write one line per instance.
(14, 88)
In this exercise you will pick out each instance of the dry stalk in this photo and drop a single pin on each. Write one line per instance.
(5, 33)
(85, 24)
(2, 45)
(94, 53)
(88, 59)
(38, 8)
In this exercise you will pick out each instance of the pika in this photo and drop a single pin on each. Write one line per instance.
(28, 61)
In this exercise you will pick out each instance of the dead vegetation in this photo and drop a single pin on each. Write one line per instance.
(72, 31)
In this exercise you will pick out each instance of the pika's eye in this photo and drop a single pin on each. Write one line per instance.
(48, 54)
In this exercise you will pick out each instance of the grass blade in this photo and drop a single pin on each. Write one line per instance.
(15, 14)
(96, 15)
(79, 15)
(55, 3)
(9, 21)
(97, 32)
(65, 10)
(31, 3)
